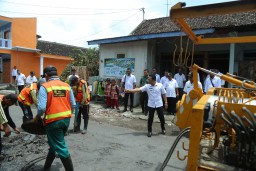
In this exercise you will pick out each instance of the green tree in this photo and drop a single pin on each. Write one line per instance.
(89, 58)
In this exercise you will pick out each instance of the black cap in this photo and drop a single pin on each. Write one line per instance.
(50, 71)
(73, 80)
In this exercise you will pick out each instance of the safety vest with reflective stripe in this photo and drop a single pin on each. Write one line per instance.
(78, 90)
(25, 97)
(58, 101)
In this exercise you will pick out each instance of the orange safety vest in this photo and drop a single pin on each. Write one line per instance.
(58, 101)
(78, 90)
(25, 96)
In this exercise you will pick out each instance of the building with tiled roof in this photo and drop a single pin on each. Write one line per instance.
(57, 48)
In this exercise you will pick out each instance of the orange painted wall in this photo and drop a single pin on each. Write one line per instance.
(59, 64)
(26, 62)
(24, 32)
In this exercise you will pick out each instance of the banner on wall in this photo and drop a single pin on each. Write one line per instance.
(116, 67)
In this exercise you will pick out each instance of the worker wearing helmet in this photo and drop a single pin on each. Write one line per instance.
(56, 100)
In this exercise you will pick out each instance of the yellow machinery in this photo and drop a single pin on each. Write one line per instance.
(225, 116)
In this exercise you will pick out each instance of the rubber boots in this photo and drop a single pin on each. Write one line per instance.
(67, 163)
(49, 159)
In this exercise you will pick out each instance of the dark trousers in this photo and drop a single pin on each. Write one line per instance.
(144, 102)
(85, 112)
(171, 105)
(160, 113)
(20, 87)
(126, 97)
(27, 112)
(180, 93)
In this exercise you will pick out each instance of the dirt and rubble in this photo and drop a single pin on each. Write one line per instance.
(135, 120)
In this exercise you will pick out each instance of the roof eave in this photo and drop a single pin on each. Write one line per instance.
(146, 37)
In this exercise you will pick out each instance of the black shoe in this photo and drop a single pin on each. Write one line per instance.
(131, 110)
(149, 134)
(163, 131)
(124, 110)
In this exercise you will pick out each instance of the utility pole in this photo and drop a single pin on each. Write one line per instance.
(143, 12)
(167, 8)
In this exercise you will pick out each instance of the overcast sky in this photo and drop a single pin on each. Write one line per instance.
(75, 22)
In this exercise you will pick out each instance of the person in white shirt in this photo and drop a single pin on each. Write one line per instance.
(190, 85)
(222, 81)
(128, 83)
(164, 78)
(155, 92)
(14, 73)
(157, 75)
(171, 87)
(212, 81)
(181, 80)
(73, 73)
(31, 78)
(20, 80)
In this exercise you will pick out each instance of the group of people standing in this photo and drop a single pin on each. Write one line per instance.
(158, 93)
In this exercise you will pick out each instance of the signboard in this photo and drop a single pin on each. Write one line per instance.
(116, 67)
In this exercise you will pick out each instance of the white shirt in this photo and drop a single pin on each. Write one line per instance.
(180, 79)
(154, 94)
(222, 81)
(188, 86)
(14, 72)
(129, 81)
(20, 79)
(216, 81)
(158, 78)
(163, 80)
(31, 80)
(170, 87)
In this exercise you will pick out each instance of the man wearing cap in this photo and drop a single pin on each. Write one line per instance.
(82, 97)
(171, 87)
(56, 101)
(129, 83)
(5, 118)
(31, 78)
(190, 85)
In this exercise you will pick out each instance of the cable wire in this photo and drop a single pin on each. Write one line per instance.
(46, 6)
